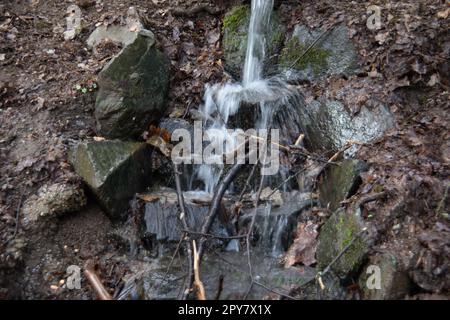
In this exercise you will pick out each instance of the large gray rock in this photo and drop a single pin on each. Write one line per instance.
(338, 232)
(235, 33)
(132, 89)
(328, 125)
(114, 171)
(333, 54)
(338, 182)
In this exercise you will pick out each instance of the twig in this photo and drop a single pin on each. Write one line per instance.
(215, 205)
(347, 146)
(247, 182)
(173, 258)
(208, 235)
(312, 45)
(96, 284)
(274, 291)
(219, 288)
(197, 282)
(184, 223)
(328, 267)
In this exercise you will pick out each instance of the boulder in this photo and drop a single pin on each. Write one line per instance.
(393, 280)
(339, 182)
(114, 171)
(333, 54)
(235, 33)
(339, 230)
(132, 89)
(53, 200)
(328, 126)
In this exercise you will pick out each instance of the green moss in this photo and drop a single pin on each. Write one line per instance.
(316, 57)
(233, 20)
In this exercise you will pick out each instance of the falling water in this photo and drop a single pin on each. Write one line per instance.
(221, 101)
(256, 44)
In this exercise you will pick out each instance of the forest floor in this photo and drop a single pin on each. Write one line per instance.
(43, 113)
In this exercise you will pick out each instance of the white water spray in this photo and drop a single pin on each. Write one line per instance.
(224, 101)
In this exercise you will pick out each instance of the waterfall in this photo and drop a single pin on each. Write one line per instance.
(256, 43)
(222, 101)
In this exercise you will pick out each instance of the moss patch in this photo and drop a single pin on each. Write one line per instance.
(316, 58)
(233, 20)
(336, 234)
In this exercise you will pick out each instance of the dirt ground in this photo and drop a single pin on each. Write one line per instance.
(43, 113)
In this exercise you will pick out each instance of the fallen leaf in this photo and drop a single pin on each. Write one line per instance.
(303, 250)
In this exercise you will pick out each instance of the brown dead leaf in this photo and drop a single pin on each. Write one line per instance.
(303, 250)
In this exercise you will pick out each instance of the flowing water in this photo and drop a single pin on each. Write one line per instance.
(224, 101)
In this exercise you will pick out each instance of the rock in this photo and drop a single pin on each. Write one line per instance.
(162, 215)
(333, 54)
(54, 200)
(394, 282)
(328, 126)
(114, 171)
(132, 89)
(335, 235)
(73, 21)
(114, 33)
(123, 34)
(235, 30)
(229, 266)
(339, 182)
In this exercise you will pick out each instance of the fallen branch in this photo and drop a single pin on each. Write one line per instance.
(208, 235)
(182, 206)
(197, 282)
(96, 283)
(215, 205)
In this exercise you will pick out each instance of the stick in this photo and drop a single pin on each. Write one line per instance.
(208, 235)
(312, 45)
(328, 267)
(197, 282)
(184, 223)
(223, 186)
(96, 284)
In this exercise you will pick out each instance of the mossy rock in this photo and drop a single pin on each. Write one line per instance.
(235, 33)
(340, 181)
(333, 54)
(114, 171)
(133, 89)
(334, 236)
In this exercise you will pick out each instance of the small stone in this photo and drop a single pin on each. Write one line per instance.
(53, 200)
